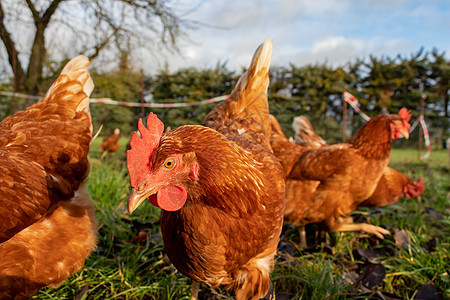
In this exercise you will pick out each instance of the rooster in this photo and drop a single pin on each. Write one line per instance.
(47, 221)
(344, 175)
(110, 144)
(220, 188)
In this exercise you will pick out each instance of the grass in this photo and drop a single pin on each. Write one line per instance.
(129, 262)
(410, 156)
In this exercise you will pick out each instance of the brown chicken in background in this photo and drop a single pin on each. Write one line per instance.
(220, 188)
(344, 175)
(305, 135)
(392, 185)
(300, 193)
(47, 221)
(110, 143)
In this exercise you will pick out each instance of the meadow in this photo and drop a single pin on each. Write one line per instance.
(410, 263)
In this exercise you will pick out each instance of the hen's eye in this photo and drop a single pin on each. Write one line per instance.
(169, 163)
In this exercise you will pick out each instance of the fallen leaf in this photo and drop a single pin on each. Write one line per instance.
(373, 275)
(366, 253)
(283, 297)
(429, 291)
(431, 245)
(286, 247)
(83, 291)
(350, 277)
(141, 238)
(401, 238)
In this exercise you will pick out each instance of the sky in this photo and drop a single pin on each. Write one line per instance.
(305, 31)
(332, 32)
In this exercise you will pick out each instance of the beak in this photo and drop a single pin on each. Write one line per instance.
(136, 198)
(405, 133)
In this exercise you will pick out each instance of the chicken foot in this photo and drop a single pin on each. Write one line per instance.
(368, 228)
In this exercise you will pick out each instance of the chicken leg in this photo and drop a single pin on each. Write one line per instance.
(302, 235)
(195, 289)
(103, 154)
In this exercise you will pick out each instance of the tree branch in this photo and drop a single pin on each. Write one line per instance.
(33, 10)
(100, 46)
(13, 55)
(50, 11)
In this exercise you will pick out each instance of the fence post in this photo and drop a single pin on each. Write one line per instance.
(344, 120)
(419, 144)
(13, 107)
(142, 93)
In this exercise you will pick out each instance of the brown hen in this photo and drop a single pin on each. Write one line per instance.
(300, 193)
(47, 222)
(392, 185)
(334, 180)
(220, 188)
(110, 144)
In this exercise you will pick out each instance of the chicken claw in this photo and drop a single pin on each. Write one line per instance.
(368, 228)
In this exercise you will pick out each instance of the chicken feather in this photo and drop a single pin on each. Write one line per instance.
(110, 144)
(47, 221)
(326, 183)
(220, 187)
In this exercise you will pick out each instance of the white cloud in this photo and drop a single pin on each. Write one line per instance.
(333, 50)
(303, 31)
(339, 51)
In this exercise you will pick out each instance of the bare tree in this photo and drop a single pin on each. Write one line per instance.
(85, 26)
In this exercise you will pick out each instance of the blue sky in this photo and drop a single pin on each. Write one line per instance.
(308, 31)
(303, 31)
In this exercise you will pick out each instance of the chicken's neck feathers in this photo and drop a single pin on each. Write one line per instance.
(373, 140)
(229, 177)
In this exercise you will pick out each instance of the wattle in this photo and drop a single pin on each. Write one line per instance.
(169, 198)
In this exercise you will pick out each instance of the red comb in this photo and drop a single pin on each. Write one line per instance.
(405, 114)
(420, 183)
(415, 189)
(140, 154)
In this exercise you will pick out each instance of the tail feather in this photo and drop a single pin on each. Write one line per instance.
(253, 279)
(248, 100)
(75, 71)
(305, 134)
(251, 89)
(255, 286)
(251, 92)
(256, 78)
(73, 86)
